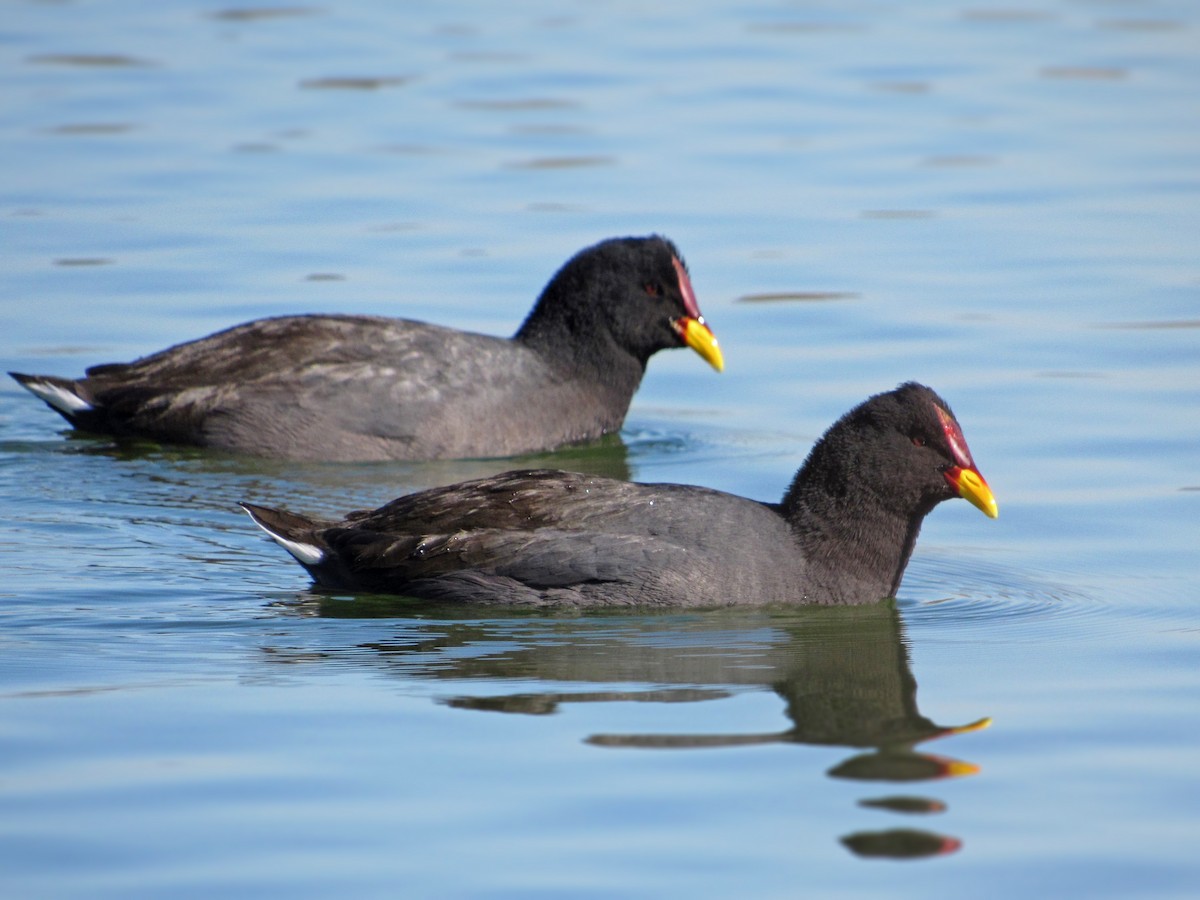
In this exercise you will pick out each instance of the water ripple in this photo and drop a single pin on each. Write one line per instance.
(1041, 604)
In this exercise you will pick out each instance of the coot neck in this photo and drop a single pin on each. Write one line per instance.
(850, 535)
(579, 347)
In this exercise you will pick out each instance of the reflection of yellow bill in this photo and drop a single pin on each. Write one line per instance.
(977, 725)
(955, 768)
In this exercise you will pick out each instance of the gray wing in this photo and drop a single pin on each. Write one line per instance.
(326, 387)
(544, 568)
(557, 538)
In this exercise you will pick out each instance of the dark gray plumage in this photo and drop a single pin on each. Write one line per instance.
(339, 387)
(842, 534)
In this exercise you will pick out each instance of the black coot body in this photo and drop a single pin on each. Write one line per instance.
(843, 532)
(346, 388)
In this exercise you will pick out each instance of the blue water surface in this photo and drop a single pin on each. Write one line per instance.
(1002, 202)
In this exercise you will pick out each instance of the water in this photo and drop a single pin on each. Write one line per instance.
(999, 201)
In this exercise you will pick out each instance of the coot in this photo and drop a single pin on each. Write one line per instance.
(339, 387)
(843, 532)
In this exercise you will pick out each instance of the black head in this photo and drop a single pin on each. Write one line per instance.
(629, 296)
(902, 452)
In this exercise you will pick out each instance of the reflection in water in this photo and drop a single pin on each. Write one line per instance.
(905, 804)
(252, 14)
(607, 457)
(354, 83)
(843, 673)
(900, 843)
(541, 704)
(93, 60)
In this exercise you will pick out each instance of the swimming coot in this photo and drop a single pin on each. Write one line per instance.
(843, 532)
(340, 387)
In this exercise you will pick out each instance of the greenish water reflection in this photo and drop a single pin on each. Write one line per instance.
(843, 673)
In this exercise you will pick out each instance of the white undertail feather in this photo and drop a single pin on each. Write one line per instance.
(61, 398)
(306, 554)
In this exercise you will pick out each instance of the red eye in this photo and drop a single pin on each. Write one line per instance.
(652, 289)
(918, 442)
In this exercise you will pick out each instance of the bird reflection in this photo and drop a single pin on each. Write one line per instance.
(842, 672)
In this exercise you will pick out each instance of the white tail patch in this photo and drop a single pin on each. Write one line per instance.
(61, 398)
(305, 554)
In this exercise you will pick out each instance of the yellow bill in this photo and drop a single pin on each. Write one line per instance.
(972, 488)
(697, 335)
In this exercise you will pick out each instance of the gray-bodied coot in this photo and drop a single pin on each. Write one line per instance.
(339, 387)
(843, 532)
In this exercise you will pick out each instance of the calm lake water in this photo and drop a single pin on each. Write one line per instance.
(1002, 201)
